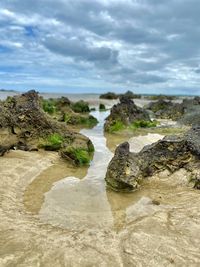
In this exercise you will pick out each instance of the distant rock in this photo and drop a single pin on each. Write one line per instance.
(124, 113)
(109, 96)
(166, 109)
(130, 94)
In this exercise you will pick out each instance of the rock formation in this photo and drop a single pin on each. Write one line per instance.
(166, 109)
(125, 113)
(126, 170)
(24, 125)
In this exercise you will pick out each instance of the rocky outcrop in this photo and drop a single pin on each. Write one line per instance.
(73, 114)
(126, 170)
(24, 125)
(124, 114)
(109, 96)
(191, 112)
(166, 109)
(185, 112)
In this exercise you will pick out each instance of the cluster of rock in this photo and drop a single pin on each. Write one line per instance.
(185, 111)
(125, 112)
(62, 109)
(24, 125)
(166, 109)
(126, 170)
(111, 95)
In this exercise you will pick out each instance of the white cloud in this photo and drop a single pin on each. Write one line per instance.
(115, 43)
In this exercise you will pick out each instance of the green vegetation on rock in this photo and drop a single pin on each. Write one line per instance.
(116, 126)
(143, 124)
(102, 107)
(74, 119)
(52, 142)
(119, 126)
(79, 156)
(48, 106)
(80, 106)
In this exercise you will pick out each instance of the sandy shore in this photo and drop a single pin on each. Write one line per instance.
(25, 241)
(143, 234)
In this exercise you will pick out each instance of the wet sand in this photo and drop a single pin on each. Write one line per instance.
(50, 221)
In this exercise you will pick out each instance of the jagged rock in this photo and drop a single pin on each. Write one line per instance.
(126, 112)
(123, 170)
(126, 169)
(24, 125)
(166, 109)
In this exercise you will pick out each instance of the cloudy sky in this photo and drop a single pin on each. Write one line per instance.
(149, 46)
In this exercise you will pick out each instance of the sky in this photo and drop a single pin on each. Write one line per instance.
(147, 46)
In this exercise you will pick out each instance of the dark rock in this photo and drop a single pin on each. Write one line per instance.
(166, 109)
(126, 112)
(126, 169)
(102, 107)
(24, 125)
(3, 150)
(109, 96)
(130, 95)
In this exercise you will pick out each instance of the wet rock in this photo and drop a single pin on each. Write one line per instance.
(123, 170)
(24, 125)
(126, 170)
(124, 114)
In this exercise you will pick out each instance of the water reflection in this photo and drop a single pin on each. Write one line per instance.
(78, 204)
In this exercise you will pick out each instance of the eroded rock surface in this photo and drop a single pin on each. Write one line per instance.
(125, 113)
(24, 125)
(166, 109)
(126, 170)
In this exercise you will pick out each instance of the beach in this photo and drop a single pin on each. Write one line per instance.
(56, 215)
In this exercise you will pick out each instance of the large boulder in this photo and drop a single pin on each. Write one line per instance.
(24, 125)
(124, 114)
(126, 170)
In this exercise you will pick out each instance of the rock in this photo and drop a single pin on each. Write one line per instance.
(62, 110)
(130, 95)
(80, 107)
(126, 170)
(24, 125)
(109, 96)
(166, 109)
(3, 150)
(186, 112)
(124, 114)
(187, 103)
(123, 170)
(102, 107)
(161, 97)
